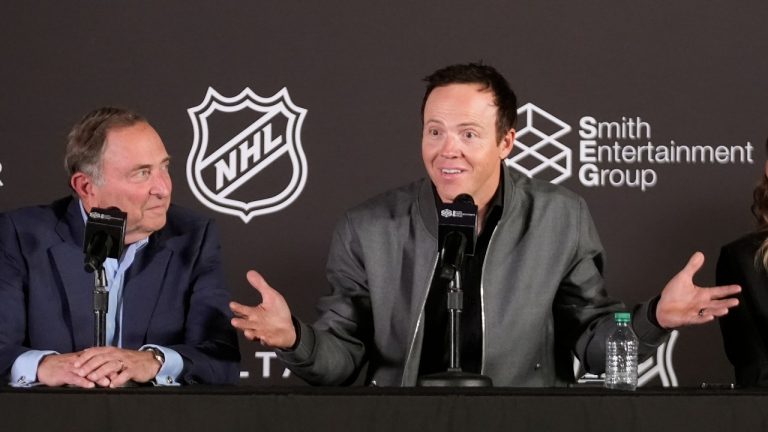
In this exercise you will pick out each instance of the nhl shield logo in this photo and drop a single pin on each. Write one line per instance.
(246, 158)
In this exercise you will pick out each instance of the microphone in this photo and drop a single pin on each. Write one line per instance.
(104, 236)
(457, 233)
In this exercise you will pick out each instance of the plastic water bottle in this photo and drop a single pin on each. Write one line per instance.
(621, 355)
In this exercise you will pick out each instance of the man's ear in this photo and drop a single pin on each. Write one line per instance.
(83, 185)
(506, 144)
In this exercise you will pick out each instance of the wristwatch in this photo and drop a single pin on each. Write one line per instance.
(159, 356)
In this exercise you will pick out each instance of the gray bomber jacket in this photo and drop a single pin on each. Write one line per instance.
(542, 292)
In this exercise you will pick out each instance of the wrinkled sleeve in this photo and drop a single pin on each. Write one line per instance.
(332, 350)
(584, 311)
(12, 304)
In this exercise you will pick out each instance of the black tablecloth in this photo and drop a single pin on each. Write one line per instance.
(380, 409)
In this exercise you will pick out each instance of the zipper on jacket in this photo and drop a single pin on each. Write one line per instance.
(418, 321)
(482, 297)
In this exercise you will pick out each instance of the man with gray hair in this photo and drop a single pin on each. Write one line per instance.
(167, 320)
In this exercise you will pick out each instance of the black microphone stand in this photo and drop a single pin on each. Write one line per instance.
(454, 376)
(95, 255)
(100, 307)
(104, 238)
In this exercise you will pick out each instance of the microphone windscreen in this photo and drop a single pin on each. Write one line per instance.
(458, 216)
(104, 235)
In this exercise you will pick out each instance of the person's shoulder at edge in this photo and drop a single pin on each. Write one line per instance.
(750, 241)
(743, 248)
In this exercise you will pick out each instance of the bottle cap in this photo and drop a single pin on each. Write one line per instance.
(622, 317)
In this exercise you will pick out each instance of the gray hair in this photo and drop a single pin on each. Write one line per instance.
(85, 142)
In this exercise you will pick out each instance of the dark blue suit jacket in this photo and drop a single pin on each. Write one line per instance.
(174, 293)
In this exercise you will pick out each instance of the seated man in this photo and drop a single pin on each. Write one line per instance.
(533, 288)
(168, 321)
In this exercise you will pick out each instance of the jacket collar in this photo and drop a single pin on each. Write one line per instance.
(428, 207)
(67, 258)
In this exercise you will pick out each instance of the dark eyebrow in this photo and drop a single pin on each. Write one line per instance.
(473, 124)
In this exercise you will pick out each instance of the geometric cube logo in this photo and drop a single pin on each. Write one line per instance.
(537, 151)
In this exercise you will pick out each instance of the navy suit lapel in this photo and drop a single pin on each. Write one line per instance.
(143, 284)
(78, 284)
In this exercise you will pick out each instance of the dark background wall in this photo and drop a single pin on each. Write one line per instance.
(695, 71)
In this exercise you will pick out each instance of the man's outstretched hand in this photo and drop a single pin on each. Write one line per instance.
(684, 303)
(269, 322)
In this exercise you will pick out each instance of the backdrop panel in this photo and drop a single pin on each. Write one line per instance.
(606, 83)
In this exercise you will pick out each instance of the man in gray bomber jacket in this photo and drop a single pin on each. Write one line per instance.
(534, 287)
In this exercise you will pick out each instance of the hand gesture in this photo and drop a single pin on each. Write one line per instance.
(684, 303)
(269, 322)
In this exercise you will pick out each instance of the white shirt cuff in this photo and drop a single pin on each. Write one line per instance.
(24, 369)
(170, 370)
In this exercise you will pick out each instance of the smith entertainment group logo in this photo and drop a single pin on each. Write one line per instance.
(615, 153)
(247, 158)
(537, 151)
